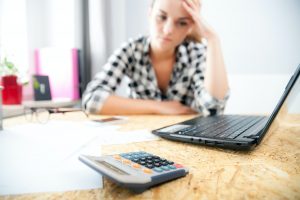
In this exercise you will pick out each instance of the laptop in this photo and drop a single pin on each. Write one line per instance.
(238, 132)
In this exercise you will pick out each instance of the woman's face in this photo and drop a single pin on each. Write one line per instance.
(170, 23)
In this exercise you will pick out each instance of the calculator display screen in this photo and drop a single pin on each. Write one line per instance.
(111, 167)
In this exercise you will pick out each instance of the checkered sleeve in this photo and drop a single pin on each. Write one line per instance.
(204, 102)
(107, 80)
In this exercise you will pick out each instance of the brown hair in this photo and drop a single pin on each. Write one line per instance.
(194, 36)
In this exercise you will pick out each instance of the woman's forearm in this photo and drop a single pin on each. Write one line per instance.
(124, 106)
(216, 81)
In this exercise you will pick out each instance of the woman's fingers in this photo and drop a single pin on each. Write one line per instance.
(194, 4)
(189, 10)
(193, 10)
(198, 4)
(191, 3)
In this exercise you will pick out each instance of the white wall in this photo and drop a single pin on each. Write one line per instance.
(119, 25)
(255, 94)
(137, 17)
(52, 23)
(258, 36)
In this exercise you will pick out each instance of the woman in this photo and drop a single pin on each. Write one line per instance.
(170, 71)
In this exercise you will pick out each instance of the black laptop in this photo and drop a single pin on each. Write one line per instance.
(239, 132)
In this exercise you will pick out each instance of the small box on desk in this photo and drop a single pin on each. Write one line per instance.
(41, 88)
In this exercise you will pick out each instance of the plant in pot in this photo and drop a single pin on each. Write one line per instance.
(12, 89)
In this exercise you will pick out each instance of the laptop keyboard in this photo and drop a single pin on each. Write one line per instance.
(223, 126)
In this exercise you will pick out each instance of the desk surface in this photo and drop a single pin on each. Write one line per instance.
(271, 171)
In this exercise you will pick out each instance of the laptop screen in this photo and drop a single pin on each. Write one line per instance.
(292, 102)
(287, 105)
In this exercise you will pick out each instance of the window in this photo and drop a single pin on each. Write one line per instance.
(13, 33)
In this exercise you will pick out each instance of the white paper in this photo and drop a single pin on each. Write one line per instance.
(44, 157)
(118, 137)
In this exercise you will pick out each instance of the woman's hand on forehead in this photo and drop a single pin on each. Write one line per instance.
(200, 25)
(192, 7)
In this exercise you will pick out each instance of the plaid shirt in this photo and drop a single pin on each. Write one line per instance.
(133, 60)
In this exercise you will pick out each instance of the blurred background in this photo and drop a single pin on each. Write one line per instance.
(260, 40)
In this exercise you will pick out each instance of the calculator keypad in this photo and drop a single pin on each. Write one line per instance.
(149, 161)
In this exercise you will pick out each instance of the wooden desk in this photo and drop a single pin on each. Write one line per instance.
(271, 171)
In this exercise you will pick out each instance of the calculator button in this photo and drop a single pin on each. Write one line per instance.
(171, 167)
(166, 168)
(149, 161)
(137, 166)
(143, 159)
(135, 160)
(125, 161)
(147, 171)
(157, 169)
(164, 163)
(178, 165)
(157, 164)
(149, 166)
(117, 157)
(142, 162)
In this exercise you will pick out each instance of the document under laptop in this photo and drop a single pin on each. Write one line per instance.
(239, 132)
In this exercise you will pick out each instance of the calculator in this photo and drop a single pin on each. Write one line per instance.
(136, 171)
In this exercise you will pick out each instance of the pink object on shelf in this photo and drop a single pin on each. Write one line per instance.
(61, 65)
